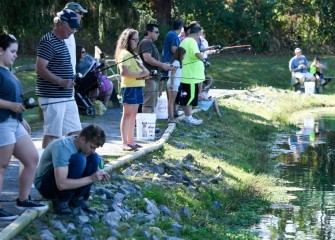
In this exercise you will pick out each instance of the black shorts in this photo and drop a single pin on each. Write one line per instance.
(188, 95)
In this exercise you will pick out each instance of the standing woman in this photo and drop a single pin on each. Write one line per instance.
(14, 130)
(133, 73)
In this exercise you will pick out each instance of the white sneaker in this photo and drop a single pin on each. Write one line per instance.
(194, 122)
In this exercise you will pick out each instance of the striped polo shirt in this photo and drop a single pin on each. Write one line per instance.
(55, 51)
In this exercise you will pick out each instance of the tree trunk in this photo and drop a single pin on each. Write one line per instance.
(162, 10)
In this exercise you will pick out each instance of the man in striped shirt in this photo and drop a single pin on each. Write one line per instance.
(55, 80)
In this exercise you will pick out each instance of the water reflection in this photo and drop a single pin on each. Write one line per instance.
(309, 164)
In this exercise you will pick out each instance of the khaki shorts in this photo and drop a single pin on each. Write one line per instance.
(151, 93)
(61, 117)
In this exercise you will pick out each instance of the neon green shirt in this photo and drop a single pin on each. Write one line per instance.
(193, 70)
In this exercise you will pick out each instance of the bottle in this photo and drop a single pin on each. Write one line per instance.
(101, 163)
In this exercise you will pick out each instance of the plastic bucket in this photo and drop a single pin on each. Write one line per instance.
(145, 126)
(161, 109)
(309, 87)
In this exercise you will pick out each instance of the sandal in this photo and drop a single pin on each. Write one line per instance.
(132, 146)
(127, 147)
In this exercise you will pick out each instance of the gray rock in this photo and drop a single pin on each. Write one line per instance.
(217, 204)
(46, 235)
(71, 227)
(82, 219)
(156, 231)
(151, 208)
(72, 237)
(87, 231)
(172, 238)
(115, 233)
(146, 234)
(176, 228)
(58, 225)
(164, 209)
(118, 197)
(185, 212)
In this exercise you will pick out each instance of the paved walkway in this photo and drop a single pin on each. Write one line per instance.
(110, 122)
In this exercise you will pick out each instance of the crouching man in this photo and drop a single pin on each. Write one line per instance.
(68, 167)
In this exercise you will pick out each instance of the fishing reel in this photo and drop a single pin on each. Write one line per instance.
(153, 73)
(29, 103)
(217, 47)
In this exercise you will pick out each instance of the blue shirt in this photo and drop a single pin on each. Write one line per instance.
(295, 62)
(10, 90)
(171, 39)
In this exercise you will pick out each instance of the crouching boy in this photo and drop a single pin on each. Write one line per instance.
(68, 168)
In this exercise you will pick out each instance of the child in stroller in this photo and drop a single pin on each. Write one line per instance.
(93, 82)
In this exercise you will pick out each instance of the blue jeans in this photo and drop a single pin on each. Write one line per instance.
(79, 166)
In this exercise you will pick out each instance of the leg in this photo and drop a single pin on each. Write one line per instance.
(216, 107)
(47, 139)
(5, 154)
(88, 165)
(106, 96)
(127, 124)
(93, 94)
(26, 152)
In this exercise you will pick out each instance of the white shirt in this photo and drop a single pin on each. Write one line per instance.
(71, 45)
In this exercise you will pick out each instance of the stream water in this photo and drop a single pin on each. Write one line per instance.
(307, 160)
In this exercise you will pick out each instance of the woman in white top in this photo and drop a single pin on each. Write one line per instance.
(174, 81)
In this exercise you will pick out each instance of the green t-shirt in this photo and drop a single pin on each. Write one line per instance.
(193, 70)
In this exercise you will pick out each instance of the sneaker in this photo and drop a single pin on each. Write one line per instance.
(4, 215)
(323, 82)
(194, 122)
(80, 202)
(30, 204)
(61, 207)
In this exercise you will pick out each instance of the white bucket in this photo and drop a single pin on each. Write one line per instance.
(309, 87)
(161, 109)
(145, 126)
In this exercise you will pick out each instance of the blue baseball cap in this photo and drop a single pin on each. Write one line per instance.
(70, 17)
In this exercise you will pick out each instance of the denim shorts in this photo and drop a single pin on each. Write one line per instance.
(132, 95)
(10, 131)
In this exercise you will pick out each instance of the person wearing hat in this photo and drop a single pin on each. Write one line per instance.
(192, 74)
(55, 79)
(298, 66)
(71, 42)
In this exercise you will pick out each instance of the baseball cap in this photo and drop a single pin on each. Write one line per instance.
(75, 7)
(70, 17)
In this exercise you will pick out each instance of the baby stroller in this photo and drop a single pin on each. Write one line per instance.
(84, 84)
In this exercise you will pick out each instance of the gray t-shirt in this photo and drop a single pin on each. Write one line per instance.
(56, 154)
(147, 46)
(10, 90)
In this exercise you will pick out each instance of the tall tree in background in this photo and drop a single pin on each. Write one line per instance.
(162, 11)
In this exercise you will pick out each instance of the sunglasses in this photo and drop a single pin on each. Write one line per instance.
(80, 13)
(83, 52)
(157, 32)
(135, 39)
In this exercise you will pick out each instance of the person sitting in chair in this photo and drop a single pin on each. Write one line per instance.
(298, 65)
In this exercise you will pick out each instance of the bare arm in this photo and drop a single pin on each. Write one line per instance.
(153, 62)
(44, 72)
(124, 71)
(65, 183)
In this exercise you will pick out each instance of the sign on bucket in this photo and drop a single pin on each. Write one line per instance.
(145, 126)
(309, 87)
